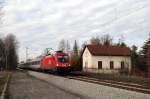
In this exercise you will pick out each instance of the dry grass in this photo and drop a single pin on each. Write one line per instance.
(3, 78)
(121, 78)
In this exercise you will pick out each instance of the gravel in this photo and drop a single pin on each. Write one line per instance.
(23, 86)
(85, 89)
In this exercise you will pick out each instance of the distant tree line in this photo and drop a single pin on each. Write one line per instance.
(8, 52)
(140, 58)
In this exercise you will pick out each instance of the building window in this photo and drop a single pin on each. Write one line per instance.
(111, 65)
(99, 64)
(122, 65)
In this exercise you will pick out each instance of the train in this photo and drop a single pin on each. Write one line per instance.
(56, 62)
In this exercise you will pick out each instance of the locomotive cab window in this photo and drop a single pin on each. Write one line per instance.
(63, 58)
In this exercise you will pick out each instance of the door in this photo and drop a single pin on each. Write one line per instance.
(99, 64)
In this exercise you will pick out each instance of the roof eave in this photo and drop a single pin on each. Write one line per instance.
(109, 55)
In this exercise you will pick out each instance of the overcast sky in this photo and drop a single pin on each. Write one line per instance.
(39, 24)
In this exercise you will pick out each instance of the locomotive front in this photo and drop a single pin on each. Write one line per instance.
(62, 63)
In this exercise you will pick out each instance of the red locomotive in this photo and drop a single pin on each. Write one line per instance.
(57, 62)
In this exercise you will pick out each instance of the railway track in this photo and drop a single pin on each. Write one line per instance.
(123, 85)
(112, 83)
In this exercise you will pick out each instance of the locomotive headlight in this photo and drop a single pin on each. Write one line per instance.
(57, 64)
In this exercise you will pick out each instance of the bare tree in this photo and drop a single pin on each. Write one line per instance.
(95, 40)
(64, 45)
(102, 40)
(2, 55)
(11, 56)
(106, 39)
(2, 48)
(121, 41)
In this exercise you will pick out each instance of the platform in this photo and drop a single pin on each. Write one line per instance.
(24, 86)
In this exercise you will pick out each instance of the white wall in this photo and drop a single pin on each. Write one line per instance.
(106, 61)
(93, 61)
(87, 57)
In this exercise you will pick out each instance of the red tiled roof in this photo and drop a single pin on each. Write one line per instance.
(99, 50)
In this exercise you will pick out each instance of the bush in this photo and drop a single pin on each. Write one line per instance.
(76, 63)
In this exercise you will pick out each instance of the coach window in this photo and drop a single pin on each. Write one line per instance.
(38, 62)
(111, 65)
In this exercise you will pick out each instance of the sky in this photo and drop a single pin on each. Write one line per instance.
(40, 24)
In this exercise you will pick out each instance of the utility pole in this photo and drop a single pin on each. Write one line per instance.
(27, 53)
(48, 51)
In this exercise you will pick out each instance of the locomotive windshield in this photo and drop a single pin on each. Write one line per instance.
(63, 58)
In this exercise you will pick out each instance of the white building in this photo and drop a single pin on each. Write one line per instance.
(106, 59)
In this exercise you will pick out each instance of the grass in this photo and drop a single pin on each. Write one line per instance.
(3, 79)
(121, 78)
